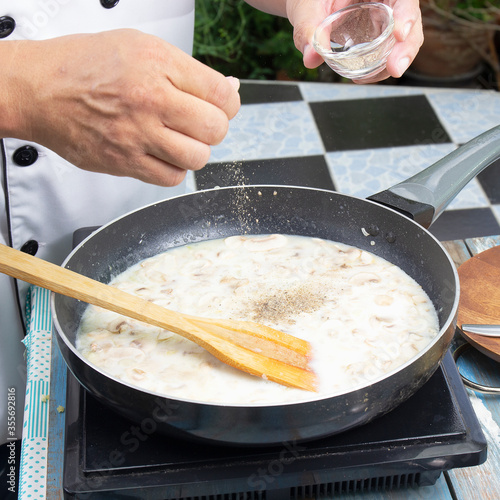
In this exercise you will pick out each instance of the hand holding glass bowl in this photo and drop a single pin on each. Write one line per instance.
(356, 41)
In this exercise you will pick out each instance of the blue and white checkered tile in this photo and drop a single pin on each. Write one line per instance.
(273, 130)
(466, 114)
(496, 211)
(362, 174)
(360, 140)
(320, 92)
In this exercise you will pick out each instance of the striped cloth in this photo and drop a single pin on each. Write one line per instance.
(33, 469)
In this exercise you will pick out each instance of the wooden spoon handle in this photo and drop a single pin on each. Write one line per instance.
(66, 282)
(216, 341)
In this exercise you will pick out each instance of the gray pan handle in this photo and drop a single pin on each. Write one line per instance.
(424, 196)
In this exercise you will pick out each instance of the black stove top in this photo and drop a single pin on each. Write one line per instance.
(107, 456)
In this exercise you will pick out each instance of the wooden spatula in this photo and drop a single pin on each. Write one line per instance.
(251, 347)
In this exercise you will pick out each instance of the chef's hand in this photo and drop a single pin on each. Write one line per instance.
(407, 31)
(306, 15)
(122, 103)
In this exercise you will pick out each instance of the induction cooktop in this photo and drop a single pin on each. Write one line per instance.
(107, 456)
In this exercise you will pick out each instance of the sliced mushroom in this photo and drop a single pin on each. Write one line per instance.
(126, 353)
(383, 300)
(156, 276)
(381, 322)
(197, 267)
(137, 374)
(265, 244)
(101, 346)
(120, 325)
(234, 282)
(366, 258)
(234, 241)
(361, 279)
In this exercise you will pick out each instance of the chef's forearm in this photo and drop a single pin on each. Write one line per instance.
(276, 7)
(14, 84)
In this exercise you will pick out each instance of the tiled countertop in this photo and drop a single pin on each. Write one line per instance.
(359, 140)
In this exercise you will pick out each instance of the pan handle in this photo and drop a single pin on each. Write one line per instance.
(424, 196)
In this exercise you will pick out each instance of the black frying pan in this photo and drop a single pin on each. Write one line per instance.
(224, 212)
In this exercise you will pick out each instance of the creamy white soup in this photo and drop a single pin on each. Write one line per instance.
(363, 316)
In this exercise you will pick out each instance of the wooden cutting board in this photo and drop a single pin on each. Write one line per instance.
(480, 298)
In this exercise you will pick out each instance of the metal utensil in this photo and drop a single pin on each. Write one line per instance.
(486, 330)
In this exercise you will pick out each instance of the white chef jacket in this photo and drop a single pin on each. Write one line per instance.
(46, 201)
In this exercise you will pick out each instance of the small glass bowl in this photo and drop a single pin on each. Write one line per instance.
(356, 41)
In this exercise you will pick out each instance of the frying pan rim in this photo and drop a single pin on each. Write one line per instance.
(451, 317)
